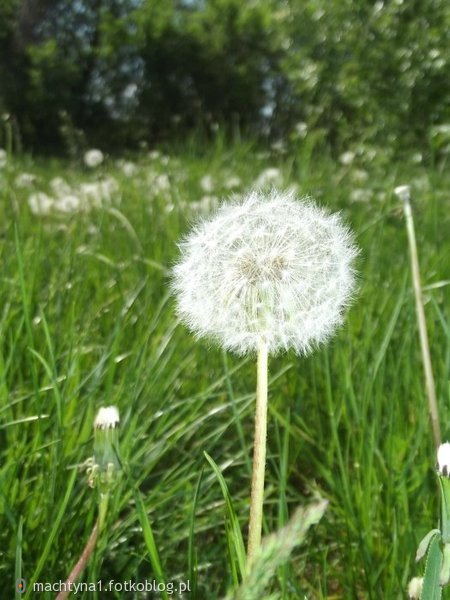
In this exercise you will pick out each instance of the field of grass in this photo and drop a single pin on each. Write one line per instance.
(86, 320)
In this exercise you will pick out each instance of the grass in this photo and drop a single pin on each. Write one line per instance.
(86, 320)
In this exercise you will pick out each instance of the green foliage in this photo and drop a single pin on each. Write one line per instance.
(87, 293)
(127, 72)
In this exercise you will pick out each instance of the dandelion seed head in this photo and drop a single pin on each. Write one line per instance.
(93, 158)
(266, 268)
(403, 193)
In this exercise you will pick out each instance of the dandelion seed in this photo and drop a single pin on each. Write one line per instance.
(93, 158)
(268, 268)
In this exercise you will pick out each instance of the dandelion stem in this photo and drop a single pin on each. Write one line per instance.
(87, 550)
(421, 321)
(259, 455)
(81, 564)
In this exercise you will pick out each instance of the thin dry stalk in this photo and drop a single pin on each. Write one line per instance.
(421, 321)
(81, 564)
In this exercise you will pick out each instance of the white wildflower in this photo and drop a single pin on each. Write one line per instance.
(347, 158)
(93, 158)
(154, 155)
(266, 268)
(207, 183)
(443, 458)
(40, 203)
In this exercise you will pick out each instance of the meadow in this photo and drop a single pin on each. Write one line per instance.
(87, 320)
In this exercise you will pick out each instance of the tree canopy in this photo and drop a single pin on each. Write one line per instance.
(127, 71)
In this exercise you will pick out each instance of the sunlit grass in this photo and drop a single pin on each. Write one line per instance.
(86, 320)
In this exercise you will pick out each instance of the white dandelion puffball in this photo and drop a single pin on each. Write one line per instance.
(266, 269)
(93, 158)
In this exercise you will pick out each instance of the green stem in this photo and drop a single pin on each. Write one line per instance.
(259, 456)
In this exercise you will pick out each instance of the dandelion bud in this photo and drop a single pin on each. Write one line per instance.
(106, 445)
(403, 193)
(266, 269)
(443, 459)
(415, 588)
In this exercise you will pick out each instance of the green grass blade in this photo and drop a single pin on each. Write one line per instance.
(150, 542)
(236, 533)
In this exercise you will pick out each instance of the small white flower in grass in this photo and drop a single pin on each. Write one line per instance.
(268, 268)
(403, 193)
(443, 459)
(415, 588)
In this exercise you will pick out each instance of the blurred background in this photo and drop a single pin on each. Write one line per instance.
(123, 73)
